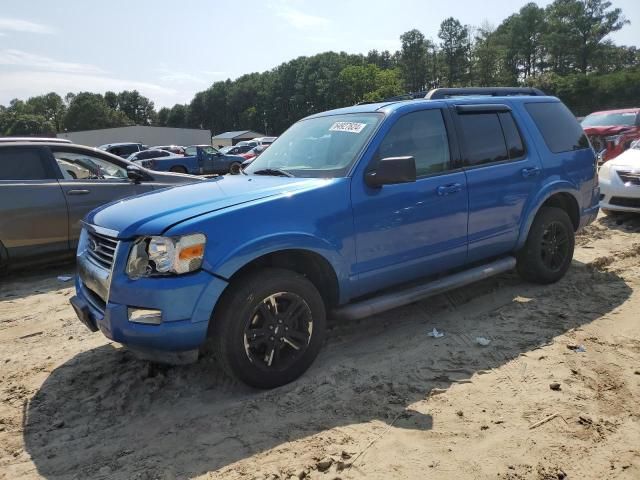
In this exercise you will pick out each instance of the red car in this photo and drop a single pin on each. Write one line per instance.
(254, 152)
(611, 132)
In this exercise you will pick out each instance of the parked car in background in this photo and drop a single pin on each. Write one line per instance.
(236, 150)
(620, 182)
(254, 152)
(611, 132)
(150, 153)
(197, 160)
(250, 143)
(252, 155)
(46, 188)
(175, 149)
(265, 140)
(418, 196)
(122, 149)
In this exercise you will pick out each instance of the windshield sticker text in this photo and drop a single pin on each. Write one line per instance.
(351, 127)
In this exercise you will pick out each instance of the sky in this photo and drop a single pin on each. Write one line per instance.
(171, 49)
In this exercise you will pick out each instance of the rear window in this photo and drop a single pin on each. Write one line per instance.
(622, 119)
(558, 126)
(22, 164)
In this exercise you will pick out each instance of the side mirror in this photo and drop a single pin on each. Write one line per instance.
(135, 174)
(392, 170)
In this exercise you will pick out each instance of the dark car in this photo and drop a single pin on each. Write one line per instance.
(122, 149)
(47, 188)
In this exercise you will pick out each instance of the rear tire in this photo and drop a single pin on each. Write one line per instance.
(234, 168)
(178, 169)
(268, 327)
(548, 251)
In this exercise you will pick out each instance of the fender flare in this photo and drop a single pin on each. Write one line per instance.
(559, 186)
(232, 261)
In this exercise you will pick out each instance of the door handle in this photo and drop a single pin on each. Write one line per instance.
(530, 172)
(77, 192)
(448, 189)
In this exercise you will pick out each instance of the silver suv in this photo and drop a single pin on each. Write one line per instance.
(46, 188)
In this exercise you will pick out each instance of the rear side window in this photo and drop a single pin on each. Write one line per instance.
(483, 139)
(559, 128)
(23, 164)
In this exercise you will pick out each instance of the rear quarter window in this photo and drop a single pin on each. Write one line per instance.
(558, 126)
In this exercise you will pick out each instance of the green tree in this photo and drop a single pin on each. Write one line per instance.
(177, 116)
(88, 111)
(29, 124)
(163, 115)
(136, 107)
(51, 107)
(455, 50)
(413, 60)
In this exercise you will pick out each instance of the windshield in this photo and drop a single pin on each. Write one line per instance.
(324, 147)
(610, 119)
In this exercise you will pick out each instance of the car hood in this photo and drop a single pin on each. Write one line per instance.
(628, 159)
(155, 212)
(607, 130)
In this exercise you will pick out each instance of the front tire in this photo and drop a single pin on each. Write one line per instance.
(548, 251)
(269, 327)
(178, 169)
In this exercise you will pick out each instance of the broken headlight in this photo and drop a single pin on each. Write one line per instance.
(152, 256)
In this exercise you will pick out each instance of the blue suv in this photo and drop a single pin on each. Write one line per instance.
(350, 212)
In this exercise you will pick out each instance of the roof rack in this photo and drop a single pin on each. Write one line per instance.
(440, 93)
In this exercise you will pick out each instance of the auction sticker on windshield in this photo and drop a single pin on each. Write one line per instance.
(351, 127)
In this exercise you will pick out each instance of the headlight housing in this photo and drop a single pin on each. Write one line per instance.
(604, 174)
(156, 256)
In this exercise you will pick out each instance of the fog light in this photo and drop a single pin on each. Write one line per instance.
(142, 315)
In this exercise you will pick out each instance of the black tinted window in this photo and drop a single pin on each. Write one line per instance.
(22, 164)
(515, 146)
(483, 138)
(128, 149)
(559, 128)
(421, 135)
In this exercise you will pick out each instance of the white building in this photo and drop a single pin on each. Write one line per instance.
(140, 134)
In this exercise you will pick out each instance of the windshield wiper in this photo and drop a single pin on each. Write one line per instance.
(273, 171)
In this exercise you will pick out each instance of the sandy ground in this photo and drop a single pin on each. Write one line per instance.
(383, 401)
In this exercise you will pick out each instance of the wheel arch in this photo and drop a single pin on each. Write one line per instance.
(315, 258)
(561, 196)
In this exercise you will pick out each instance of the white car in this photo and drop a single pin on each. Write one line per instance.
(620, 182)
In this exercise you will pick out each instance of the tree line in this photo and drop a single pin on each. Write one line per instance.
(562, 49)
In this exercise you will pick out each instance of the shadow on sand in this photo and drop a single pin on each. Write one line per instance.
(104, 414)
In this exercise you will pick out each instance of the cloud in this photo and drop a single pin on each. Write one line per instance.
(299, 19)
(23, 26)
(19, 58)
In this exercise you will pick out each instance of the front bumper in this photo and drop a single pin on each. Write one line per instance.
(618, 196)
(186, 302)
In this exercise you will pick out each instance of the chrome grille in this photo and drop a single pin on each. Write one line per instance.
(630, 178)
(101, 249)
